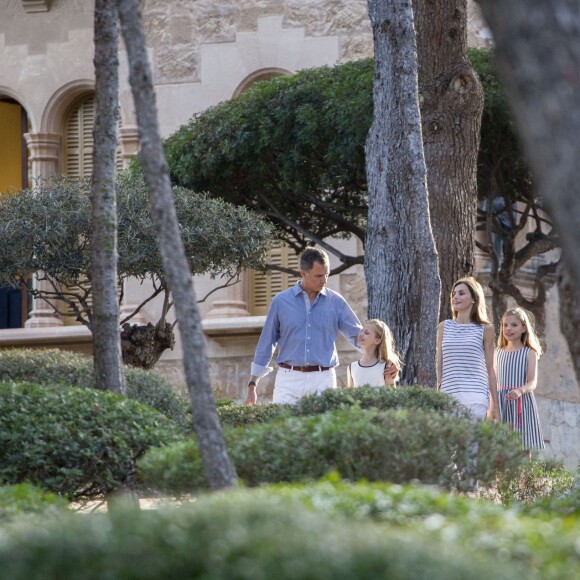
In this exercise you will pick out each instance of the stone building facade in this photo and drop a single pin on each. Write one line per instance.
(202, 52)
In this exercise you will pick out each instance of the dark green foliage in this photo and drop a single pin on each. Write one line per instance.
(295, 143)
(502, 169)
(232, 537)
(238, 415)
(414, 397)
(24, 499)
(78, 443)
(292, 147)
(51, 367)
(47, 228)
(365, 397)
(392, 445)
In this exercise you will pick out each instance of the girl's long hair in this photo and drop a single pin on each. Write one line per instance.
(385, 350)
(529, 337)
(479, 309)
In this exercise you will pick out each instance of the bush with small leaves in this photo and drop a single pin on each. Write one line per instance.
(413, 397)
(566, 503)
(239, 415)
(232, 536)
(78, 443)
(366, 398)
(535, 480)
(53, 367)
(541, 545)
(392, 445)
(24, 499)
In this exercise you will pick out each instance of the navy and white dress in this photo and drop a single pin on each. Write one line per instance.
(372, 376)
(522, 414)
(464, 372)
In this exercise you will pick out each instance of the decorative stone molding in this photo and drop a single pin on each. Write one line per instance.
(42, 314)
(44, 154)
(129, 141)
(73, 338)
(228, 309)
(36, 5)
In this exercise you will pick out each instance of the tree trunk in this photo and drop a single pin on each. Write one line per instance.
(538, 58)
(400, 260)
(105, 314)
(451, 106)
(570, 317)
(219, 469)
(143, 344)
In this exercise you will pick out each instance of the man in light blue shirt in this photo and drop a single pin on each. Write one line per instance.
(303, 322)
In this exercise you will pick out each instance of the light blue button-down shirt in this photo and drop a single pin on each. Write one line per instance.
(304, 333)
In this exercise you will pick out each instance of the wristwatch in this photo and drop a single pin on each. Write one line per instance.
(251, 383)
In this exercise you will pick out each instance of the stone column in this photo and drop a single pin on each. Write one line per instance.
(129, 144)
(233, 306)
(44, 154)
(129, 140)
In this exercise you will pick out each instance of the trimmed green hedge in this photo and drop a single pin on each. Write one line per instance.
(392, 445)
(233, 415)
(414, 397)
(232, 536)
(78, 443)
(53, 366)
(24, 499)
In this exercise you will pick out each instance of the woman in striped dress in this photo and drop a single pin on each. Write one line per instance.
(465, 352)
(516, 364)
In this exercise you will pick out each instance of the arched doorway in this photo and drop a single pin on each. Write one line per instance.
(13, 178)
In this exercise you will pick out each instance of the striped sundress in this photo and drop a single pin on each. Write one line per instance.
(522, 414)
(464, 372)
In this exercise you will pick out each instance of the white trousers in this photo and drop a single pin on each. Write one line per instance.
(293, 385)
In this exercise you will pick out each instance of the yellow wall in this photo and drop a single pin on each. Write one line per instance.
(10, 148)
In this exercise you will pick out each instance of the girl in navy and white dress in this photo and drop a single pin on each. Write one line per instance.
(516, 366)
(379, 364)
(465, 352)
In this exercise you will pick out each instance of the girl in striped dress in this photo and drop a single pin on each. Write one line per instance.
(516, 364)
(465, 352)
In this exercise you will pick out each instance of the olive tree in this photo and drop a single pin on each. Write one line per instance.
(46, 230)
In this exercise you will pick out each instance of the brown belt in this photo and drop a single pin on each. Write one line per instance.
(311, 369)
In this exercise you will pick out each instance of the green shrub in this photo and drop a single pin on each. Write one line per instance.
(47, 367)
(541, 547)
(414, 397)
(393, 445)
(233, 536)
(533, 481)
(75, 442)
(25, 499)
(240, 415)
(566, 504)
(367, 398)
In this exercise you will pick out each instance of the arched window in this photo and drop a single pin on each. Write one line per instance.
(79, 122)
